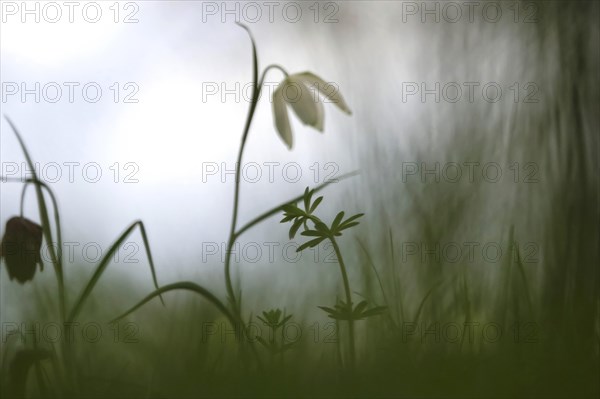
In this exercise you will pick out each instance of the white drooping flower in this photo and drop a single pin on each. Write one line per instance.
(294, 90)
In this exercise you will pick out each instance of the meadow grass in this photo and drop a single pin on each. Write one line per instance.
(174, 357)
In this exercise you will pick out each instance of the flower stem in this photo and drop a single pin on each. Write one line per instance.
(272, 66)
(55, 256)
(232, 233)
(236, 198)
(231, 240)
(338, 253)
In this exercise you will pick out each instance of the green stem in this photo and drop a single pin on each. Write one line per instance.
(56, 258)
(56, 214)
(238, 167)
(267, 69)
(338, 253)
(256, 89)
(236, 198)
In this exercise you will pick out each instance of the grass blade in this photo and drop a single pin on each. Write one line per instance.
(104, 264)
(370, 260)
(45, 220)
(279, 208)
(254, 82)
(427, 295)
(185, 285)
(54, 205)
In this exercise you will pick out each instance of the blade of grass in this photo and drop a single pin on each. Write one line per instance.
(236, 195)
(185, 285)
(397, 291)
(43, 209)
(507, 277)
(466, 305)
(420, 308)
(525, 283)
(370, 260)
(254, 83)
(279, 207)
(38, 369)
(105, 262)
(54, 205)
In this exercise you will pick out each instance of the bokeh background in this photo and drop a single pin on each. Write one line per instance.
(543, 55)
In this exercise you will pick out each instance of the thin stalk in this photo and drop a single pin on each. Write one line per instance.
(56, 213)
(267, 69)
(236, 198)
(338, 253)
(56, 258)
(256, 90)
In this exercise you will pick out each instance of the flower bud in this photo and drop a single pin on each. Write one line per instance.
(20, 248)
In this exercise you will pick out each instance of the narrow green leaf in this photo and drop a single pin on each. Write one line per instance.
(315, 204)
(312, 233)
(360, 307)
(290, 208)
(378, 310)
(307, 197)
(294, 229)
(279, 208)
(316, 241)
(45, 220)
(254, 65)
(311, 244)
(106, 261)
(352, 218)
(422, 304)
(327, 309)
(57, 223)
(337, 221)
(322, 227)
(185, 285)
(287, 218)
(347, 226)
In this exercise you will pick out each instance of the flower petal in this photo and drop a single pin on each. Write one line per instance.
(282, 121)
(329, 90)
(306, 104)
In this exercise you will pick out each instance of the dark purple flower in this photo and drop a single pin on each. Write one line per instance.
(20, 248)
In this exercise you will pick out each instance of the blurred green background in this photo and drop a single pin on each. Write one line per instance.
(541, 134)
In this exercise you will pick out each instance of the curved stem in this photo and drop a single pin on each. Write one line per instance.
(338, 253)
(22, 207)
(56, 214)
(56, 259)
(59, 258)
(238, 166)
(184, 285)
(236, 198)
(267, 69)
(256, 90)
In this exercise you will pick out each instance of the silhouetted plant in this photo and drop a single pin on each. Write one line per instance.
(302, 218)
(274, 321)
(21, 246)
(310, 112)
